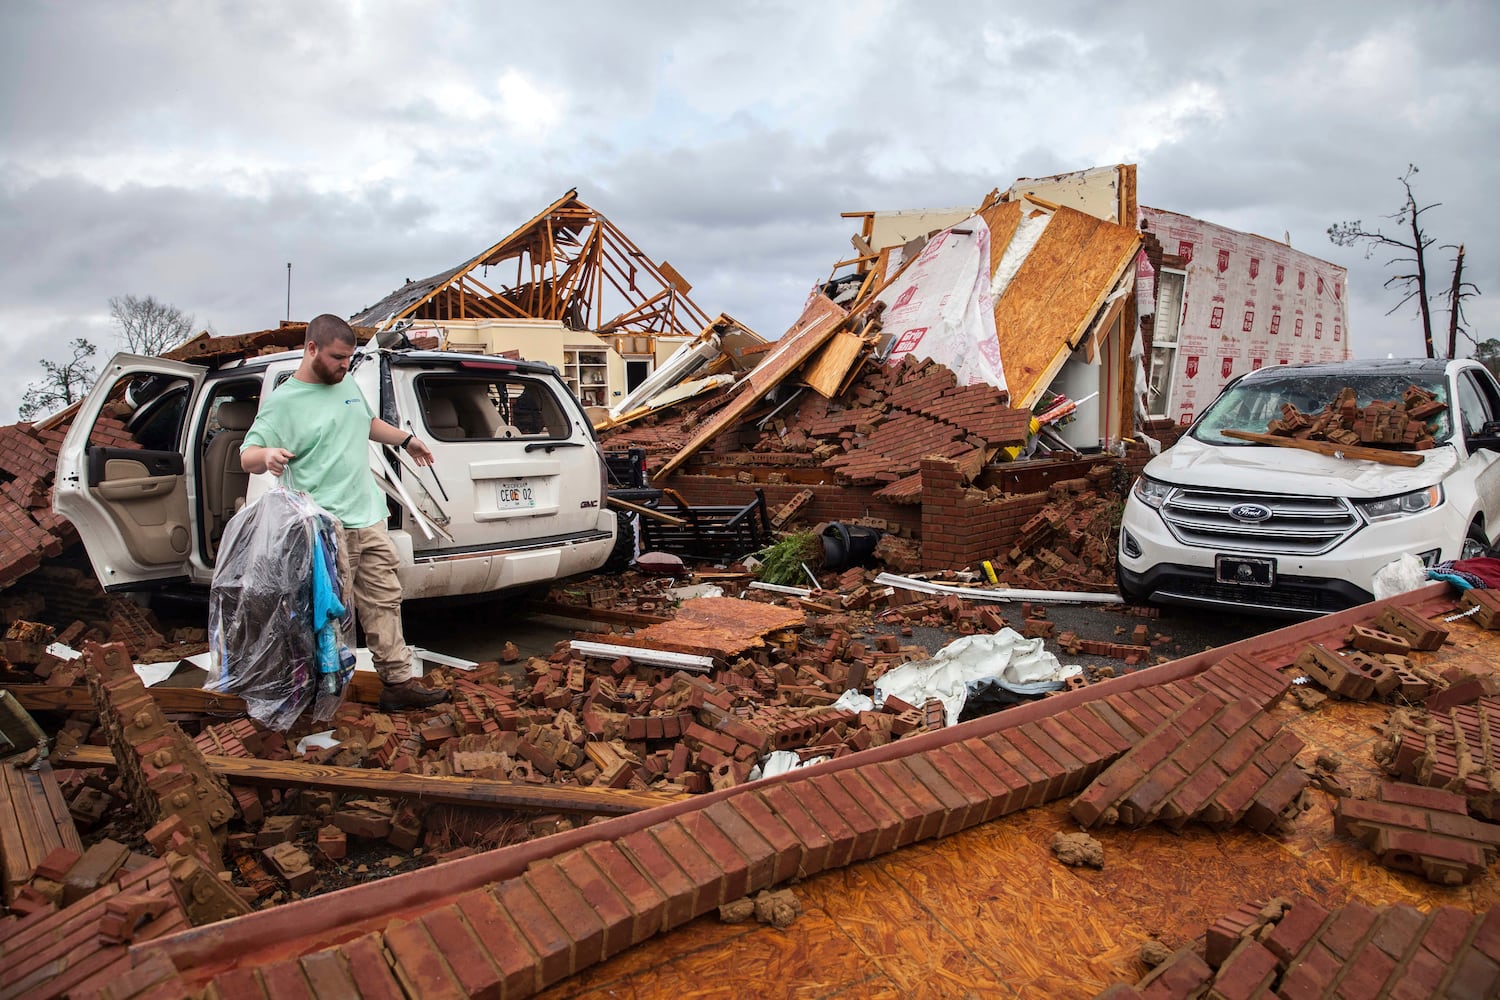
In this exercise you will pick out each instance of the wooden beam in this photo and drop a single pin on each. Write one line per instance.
(439, 788)
(609, 616)
(650, 512)
(1405, 459)
(45, 698)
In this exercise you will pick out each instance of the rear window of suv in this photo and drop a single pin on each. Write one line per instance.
(497, 407)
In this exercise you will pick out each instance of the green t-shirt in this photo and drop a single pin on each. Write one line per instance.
(327, 430)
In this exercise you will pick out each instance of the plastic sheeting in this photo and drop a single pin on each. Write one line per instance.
(262, 631)
(941, 308)
(973, 666)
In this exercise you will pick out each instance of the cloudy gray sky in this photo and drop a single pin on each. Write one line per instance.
(189, 150)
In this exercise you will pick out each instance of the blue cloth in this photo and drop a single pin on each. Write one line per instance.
(327, 610)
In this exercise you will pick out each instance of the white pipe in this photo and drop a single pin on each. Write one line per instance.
(1062, 596)
(777, 588)
(637, 654)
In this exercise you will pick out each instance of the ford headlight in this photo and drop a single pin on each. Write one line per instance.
(1399, 506)
(1150, 492)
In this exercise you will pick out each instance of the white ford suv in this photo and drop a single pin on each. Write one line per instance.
(1218, 521)
(515, 497)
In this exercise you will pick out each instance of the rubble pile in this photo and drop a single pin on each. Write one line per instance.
(874, 434)
(543, 726)
(1399, 423)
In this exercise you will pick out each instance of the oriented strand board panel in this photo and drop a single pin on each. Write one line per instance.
(1055, 295)
(818, 321)
(826, 373)
(1002, 220)
(716, 626)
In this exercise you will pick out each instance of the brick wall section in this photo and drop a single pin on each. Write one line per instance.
(29, 530)
(1216, 761)
(1463, 740)
(962, 526)
(1355, 951)
(78, 950)
(1423, 830)
(828, 503)
(577, 907)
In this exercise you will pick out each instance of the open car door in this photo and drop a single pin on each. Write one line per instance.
(121, 478)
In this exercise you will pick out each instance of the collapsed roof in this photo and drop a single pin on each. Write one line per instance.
(568, 263)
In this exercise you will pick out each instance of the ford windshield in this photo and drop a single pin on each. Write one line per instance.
(1252, 403)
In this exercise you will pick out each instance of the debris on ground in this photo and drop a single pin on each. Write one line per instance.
(1078, 850)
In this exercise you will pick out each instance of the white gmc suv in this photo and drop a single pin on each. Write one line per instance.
(515, 497)
(1219, 522)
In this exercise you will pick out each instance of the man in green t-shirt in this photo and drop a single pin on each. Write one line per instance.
(316, 425)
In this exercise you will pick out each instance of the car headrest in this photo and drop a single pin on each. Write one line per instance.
(237, 414)
(441, 413)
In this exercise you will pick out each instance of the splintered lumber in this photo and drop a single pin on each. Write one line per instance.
(440, 788)
(34, 821)
(650, 512)
(1405, 459)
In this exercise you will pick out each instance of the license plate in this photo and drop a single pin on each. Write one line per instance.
(1247, 572)
(515, 494)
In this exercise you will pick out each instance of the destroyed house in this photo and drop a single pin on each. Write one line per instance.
(1215, 304)
(567, 288)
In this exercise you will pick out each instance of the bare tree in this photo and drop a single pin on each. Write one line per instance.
(148, 326)
(64, 384)
(1457, 292)
(1414, 252)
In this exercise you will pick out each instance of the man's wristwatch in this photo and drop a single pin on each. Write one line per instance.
(403, 444)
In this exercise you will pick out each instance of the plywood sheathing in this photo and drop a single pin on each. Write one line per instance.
(819, 320)
(722, 627)
(1057, 294)
(826, 373)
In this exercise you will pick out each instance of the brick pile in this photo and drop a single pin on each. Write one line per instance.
(1456, 748)
(1301, 949)
(1423, 830)
(29, 531)
(583, 904)
(875, 434)
(1402, 423)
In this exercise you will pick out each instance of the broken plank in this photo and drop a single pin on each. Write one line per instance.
(439, 788)
(650, 512)
(1405, 459)
(45, 698)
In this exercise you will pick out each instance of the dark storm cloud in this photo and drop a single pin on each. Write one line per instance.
(189, 150)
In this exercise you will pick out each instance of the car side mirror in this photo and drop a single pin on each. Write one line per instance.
(1488, 437)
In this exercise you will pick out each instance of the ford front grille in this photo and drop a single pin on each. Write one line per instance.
(1258, 522)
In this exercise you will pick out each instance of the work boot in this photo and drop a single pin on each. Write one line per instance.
(410, 694)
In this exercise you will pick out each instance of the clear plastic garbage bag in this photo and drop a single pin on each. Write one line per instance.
(265, 614)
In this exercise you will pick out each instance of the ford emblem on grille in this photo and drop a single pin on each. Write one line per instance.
(1252, 513)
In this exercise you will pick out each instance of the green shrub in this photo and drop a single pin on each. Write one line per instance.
(781, 563)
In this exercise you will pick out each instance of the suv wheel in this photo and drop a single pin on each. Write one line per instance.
(1131, 596)
(621, 556)
(1475, 544)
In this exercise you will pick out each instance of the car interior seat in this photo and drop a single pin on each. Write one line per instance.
(442, 420)
(224, 480)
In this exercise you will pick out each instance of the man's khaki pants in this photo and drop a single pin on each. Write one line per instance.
(367, 570)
